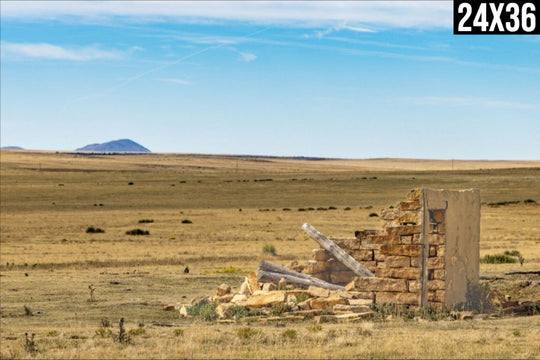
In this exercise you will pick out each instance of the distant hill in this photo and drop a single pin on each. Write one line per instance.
(122, 145)
(11, 148)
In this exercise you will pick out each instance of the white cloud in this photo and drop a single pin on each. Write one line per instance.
(466, 102)
(176, 81)
(50, 51)
(248, 57)
(357, 14)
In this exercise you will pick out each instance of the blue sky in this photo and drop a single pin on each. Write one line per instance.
(332, 79)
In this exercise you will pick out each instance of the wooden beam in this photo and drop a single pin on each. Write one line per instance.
(273, 273)
(338, 253)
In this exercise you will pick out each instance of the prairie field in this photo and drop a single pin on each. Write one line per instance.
(215, 214)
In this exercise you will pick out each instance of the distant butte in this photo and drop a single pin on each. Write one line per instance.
(122, 145)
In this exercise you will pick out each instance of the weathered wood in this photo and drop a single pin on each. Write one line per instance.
(271, 272)
(338, 253)
(266, 276)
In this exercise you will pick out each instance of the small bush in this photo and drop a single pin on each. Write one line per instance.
(310, 208)
(204, 310)
(137, 232)
(137, 331)
(280, 309)
(315, 328)
(30, 344)
(529, 201)
(289, 334)
(93, 230)
(498, 259)
(373, 215)
(246, 332)
(332, 208)
(178, 332)
(103, 332)
(286, 209)
(187, 221)
(269, 249)
(146, 221)
(368, 207)
(301, 209)
(321, 209)
(226, 270)
(301, 298)
(512, 253)
(348, 208)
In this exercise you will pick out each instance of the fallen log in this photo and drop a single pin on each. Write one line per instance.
(273, 273)
(338, 253)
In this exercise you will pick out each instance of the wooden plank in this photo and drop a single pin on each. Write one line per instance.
(268, 272)
(338, 253)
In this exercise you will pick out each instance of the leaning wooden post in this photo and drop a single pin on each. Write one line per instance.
(337, 252)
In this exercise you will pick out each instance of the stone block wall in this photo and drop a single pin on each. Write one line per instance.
(409, 257)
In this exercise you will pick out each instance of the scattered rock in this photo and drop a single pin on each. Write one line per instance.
(223, 289)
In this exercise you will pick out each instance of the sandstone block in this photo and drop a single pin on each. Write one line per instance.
(183, 311)
(404, 230)
(436, 262)
(415, 195)
(225, 311)
(377, 256)
(403, 250)
(363, 255)
(408, 217)
(397, 298)
(349, 244)
(409, 205)
(244, 288)
(363, 234)
(436, 239)
(342, 309)
(238, 298)
(272, 298)
(282, 283)
(314, 266)
(435, 285)
(325, 276)
(253, 283)
(169, 307)
(417, 239)
(223, 289)
(325, 303)
(432, 250)
(437, 228)
(399, 273)
(439, 274)
(406, 239)
(334, 265)
(397, 261)
(380, 284)
(267, 287)
(415, 286)
(224, 299)
(341, 277)
(363, 302)
(416, 261)
(440, 250)
(389, 214)
(304, 305)
(315, 291)
(320, 255)
(436, 295)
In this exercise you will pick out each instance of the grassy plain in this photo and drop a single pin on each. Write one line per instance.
(47, 259)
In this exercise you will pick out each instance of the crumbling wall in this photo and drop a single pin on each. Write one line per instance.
(426, 254)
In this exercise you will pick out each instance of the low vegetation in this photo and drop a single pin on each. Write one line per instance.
(93, 230)
(137, 232)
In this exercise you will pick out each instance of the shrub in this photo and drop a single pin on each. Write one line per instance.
(286, 209)
(289, 334)
(269, 249)
(246, 332)
(204, 310)
(103, 332)
(373, 214)
(315, 328)
(226, 270)
(137, 232)
(512, 253)
(332, 208)
(498, 259)
(178, 332)
(347, 208)
(280, 309)
(187, 221)
(529, 201)
(93, 230)
(146, 221)
(321, 209)
(301, 209)
(137, 331)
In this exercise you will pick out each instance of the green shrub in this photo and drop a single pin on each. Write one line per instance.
(146, 221)
(269, 249)
(347, 208)
(137, 331)
(332, 208)
(93, 230)
(137, 232)
(373, 215)
(187, 221)
(279, 309)
(498, 259)
(301, 209)
(315, 328)
(178, 332)
(529, 201)
(286, 209)
(103, 332)
(289, 334)
(204, 310)
(246, 332)
(512, 253)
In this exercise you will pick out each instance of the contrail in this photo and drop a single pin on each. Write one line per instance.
(150, 71)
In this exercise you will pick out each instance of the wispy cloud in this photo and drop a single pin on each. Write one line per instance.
(248, 57)
(322, 33)
(55, 52)
(466, 102)
(385, 14)
(175, 81)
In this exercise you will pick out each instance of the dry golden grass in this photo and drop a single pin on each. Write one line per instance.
(52, 260)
